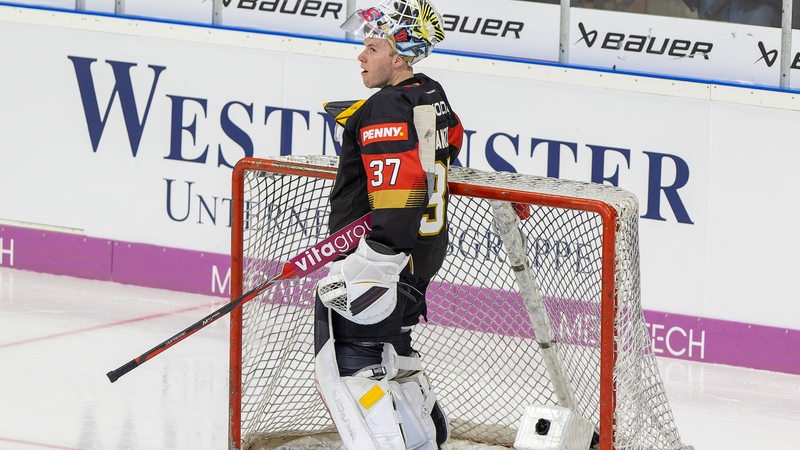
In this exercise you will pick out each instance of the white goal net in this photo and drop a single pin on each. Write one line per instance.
(569, 271)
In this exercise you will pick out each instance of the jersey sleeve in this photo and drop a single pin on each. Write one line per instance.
(455, 136)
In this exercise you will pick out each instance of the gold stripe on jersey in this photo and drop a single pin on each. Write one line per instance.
(397, 198)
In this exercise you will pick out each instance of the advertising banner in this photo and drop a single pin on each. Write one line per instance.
(510, 28)
(690, 48)
(179, 10)
(517, 29)
(309, 17)
(706, 50)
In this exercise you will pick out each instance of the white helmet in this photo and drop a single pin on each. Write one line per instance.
(412, 27)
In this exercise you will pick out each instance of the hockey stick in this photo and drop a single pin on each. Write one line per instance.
(341, 110)
(506, 220)
(300, 266)
(425, 125)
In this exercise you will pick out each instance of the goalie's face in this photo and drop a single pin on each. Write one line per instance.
(380, 64)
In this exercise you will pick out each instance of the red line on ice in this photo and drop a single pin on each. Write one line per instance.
(35, 444)
(108, 325)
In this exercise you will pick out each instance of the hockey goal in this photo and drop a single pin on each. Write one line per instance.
(544, 310)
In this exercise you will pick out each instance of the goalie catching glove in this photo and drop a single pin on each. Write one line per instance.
(362, 288)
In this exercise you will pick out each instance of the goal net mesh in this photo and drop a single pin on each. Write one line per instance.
(478, 345)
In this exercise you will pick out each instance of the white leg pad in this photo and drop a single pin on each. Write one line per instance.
(361, 408)
(411, 401)
(385, 414)
(375, 403)
(413, 398)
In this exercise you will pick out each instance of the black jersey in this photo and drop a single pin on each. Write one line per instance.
(380, 171)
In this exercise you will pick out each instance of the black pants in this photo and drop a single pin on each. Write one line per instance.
(358, 346)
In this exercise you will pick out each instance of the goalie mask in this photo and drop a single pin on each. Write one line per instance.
(412, 27)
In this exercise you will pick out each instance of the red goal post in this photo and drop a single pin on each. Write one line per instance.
(571, 330)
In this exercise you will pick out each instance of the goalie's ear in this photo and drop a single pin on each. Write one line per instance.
(342, 110)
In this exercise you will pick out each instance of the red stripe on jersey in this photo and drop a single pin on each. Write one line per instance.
(389, 171)
(456, 134)
(397, 131)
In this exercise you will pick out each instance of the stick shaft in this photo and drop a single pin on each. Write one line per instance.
(287, 273)
(506, 223)
(301, 265)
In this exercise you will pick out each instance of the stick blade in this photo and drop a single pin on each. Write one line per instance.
(342, 110)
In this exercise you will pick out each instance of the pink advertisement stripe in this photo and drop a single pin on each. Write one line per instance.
(673, 335)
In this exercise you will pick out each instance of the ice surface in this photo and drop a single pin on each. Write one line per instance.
(60, 335)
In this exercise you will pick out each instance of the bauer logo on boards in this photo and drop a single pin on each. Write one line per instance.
(384, 132)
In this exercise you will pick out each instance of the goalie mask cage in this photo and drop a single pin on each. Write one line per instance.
(479, 347)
